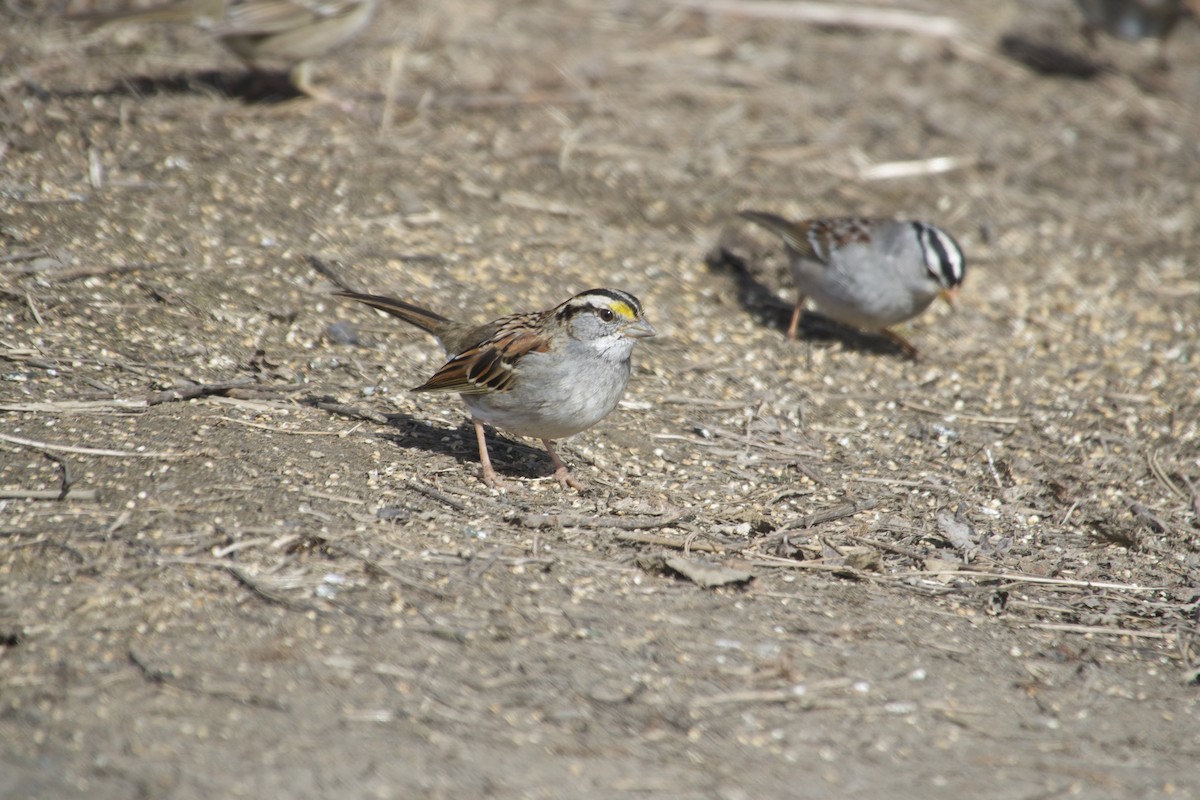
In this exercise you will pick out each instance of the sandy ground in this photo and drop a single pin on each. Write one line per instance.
(799, 569)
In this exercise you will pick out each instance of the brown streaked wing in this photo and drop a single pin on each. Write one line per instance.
(264, 17)
(799, 238)
(487, 367)
(843, 231)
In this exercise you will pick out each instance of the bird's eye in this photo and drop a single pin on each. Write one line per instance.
(607, 315)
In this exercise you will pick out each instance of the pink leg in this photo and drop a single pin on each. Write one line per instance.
(791, 334)
(487, 473)
(561, 473)
(301, 78)
(908, 347)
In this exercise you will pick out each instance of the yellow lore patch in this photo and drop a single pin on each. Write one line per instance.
(623, 309)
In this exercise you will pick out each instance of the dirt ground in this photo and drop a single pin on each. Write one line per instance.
(799, 569)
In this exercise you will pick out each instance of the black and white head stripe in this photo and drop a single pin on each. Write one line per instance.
(943, 257)
(622, 304)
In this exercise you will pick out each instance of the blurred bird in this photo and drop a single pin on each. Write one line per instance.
(868, 273)
(263, 33)
(1136, 19)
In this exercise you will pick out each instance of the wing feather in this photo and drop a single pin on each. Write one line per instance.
(487, 367)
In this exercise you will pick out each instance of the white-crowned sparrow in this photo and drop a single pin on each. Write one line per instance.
(1135, 19)
(868, 273)
(545, 374)
(263, 33)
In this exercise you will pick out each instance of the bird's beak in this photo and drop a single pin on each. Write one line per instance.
(640, 330)
(949, 295)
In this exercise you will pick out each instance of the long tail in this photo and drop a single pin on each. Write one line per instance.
(423, 318)
(187, 11)
(778, 225)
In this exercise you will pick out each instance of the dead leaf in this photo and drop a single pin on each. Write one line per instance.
(956, 532)
(707, 573)
(942, 565)
(867, 559)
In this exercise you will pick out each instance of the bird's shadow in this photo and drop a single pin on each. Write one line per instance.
(733, 255)
(251, 87)
(1048, 58)
(1054, 60)
(510, 458)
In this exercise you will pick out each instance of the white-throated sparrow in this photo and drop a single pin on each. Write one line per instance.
(263, 33)
(868, 273)
(545, 374)
(1135, 19)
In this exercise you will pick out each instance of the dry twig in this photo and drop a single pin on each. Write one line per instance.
(798, 693)
(589, 521)
(889, 170)
(78, 495)
(224, 389)
(1100, 630)
(1160, 474)
(352, 412)
(169, 677)
(1013, 577)
(87, 451)
(960, 415)
(273, 429)
(667, 541)
(830, 514)
(67, 275)
(434, 494)
(836, 14)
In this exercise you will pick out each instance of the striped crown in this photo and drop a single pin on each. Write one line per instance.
(943, 257)
(607, 304)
